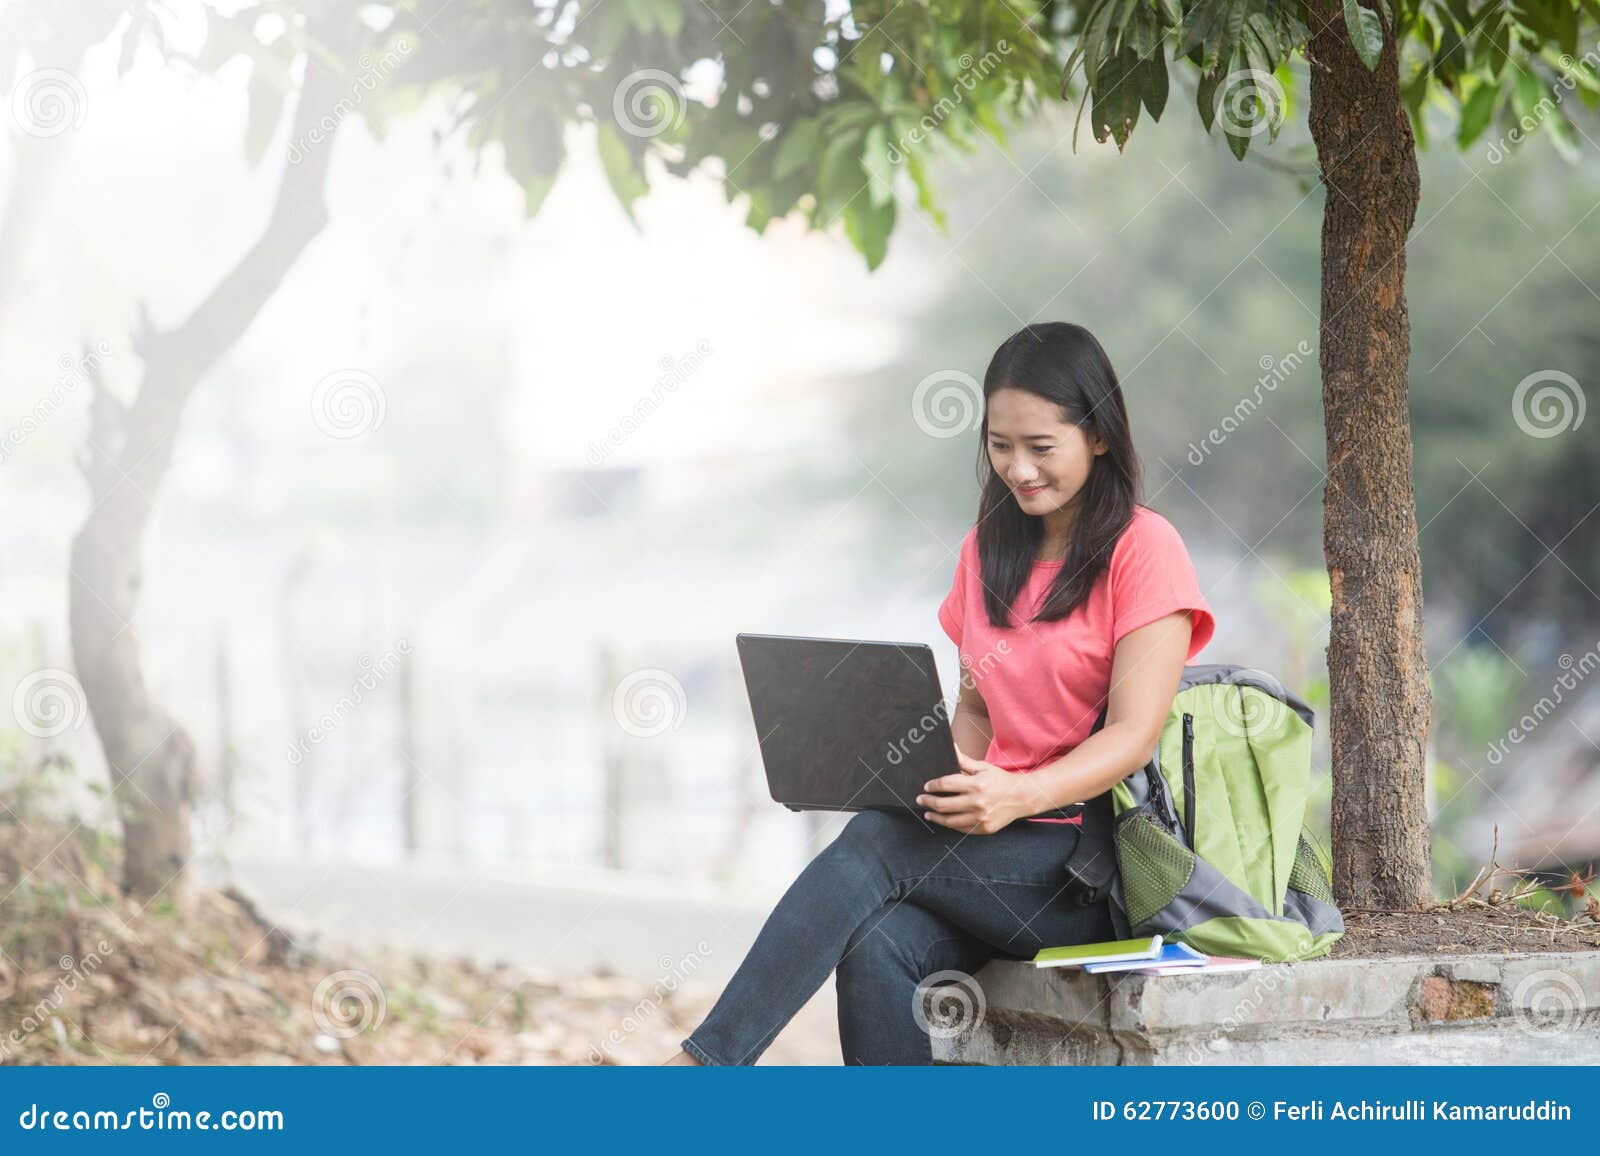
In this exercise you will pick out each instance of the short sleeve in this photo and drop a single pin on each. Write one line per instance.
(1151, 577)
(953, 610)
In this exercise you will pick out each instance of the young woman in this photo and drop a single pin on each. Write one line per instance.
(1068, 596)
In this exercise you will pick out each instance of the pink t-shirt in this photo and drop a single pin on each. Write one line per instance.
(1046, 682)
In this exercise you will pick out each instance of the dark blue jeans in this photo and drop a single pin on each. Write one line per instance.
(893, 901)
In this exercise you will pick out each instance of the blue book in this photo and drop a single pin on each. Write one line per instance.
(1172, 955)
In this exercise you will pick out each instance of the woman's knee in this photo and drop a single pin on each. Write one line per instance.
(897, 940)
(873, 835)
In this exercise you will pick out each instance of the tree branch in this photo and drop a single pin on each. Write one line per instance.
(176, 359)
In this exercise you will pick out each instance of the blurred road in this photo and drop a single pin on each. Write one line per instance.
(641, 926)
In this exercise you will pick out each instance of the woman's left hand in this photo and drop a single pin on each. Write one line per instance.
(981, 800)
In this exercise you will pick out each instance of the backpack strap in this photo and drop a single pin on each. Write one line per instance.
(1092, 866)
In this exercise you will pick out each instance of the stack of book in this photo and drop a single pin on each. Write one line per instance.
(1140, 957)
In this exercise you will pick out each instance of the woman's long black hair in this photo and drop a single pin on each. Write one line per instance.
(1063, 363)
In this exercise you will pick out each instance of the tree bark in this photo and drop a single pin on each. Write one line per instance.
(1377, 665)
(150, 757)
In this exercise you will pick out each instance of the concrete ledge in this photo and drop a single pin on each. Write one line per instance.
(1480, 1009)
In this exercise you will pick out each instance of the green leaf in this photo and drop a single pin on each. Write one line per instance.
(669, 17)
(796, 147)
(839, 176)
(1205, 97)
(1412, 95)
(664, 15)
(985, 115)
(1563, 137)
(1238, 144)
(1477, 112)
(1124, 15)
(1115, 111)
(925, 199)
(1526, 94)
(1498, 40)
(875, 160)
(533, 154)
(1197, 22)
(1574, 76)
(627, 181)
(226, 37)
(1366, 33)
(1096, 36)
(1153, 85)
(1266, 33)
(868, 226)
(761, 213)
(1145, 35)
(641, 13)
(1566, 26)
(611, 24)
(1286, 85)
(1233, 28)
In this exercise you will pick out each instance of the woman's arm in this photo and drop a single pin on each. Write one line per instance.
(1144, 677)
(970, 726)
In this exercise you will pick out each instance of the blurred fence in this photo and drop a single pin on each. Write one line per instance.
(636, 761)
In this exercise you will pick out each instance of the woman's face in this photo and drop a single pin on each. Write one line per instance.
(1043, 459)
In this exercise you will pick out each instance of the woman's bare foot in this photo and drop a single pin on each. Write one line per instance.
(683, 1058)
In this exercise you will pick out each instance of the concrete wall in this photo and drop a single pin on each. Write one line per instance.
(1521, 1009)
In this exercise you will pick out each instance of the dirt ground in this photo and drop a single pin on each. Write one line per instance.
(89, 977)
(1465, 930)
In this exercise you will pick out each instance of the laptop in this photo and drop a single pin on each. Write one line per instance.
(847, 725)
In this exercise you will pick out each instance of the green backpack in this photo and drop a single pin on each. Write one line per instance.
(1206, 845)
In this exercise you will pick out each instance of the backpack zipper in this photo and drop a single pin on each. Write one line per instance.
(1188, 776)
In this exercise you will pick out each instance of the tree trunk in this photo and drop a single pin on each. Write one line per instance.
(150, 758)
(1377, 665)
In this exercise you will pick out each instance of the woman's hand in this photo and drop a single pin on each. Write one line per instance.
(981, 800)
